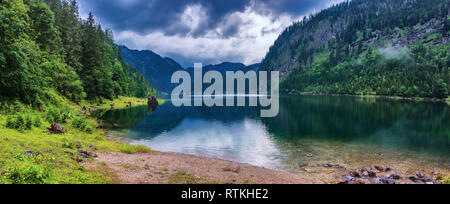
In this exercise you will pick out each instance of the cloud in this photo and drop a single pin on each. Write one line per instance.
(208, 31)
(247, 45)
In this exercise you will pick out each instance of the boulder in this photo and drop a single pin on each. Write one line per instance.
(302, 165)
(31, 153)
(86, 154)
(356, 174)
(56, 128)
(395, 177)
(152, 103)
(380, 168)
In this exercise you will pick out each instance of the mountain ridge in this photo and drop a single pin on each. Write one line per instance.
(158, 70)
(386, 47)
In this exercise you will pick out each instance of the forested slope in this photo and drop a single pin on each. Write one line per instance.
(383, 47)
(45, 46)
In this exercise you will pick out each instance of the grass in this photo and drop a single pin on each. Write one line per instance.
(56, 162)
(119, 103)
(129, 149)
(446, 180)
(181, 177)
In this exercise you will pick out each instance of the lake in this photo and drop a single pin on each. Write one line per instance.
(353, 132)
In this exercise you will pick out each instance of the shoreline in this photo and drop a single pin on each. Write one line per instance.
(416, 99)
(166, 167)
(177, 168)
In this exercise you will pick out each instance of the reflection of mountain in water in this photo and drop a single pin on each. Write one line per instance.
(399, 124)
(402, 124)
(167, 117)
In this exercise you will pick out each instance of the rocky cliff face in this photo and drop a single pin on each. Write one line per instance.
(349, 48)
(357, 23)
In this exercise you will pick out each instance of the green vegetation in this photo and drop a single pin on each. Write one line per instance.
(47, 47)
(365, 47)
(181, 177)
(54, 159)
(447, 180)
(56, 68)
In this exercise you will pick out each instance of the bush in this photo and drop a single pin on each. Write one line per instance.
(22, 122)
(37, 122)
(28, 122)
(54, 115)
(27, 174)
(19, 122)
(82, 124)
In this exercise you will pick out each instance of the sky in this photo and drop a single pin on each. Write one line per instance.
(204, 31)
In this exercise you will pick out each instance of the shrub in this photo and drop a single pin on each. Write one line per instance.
(19, 122)
(10, 122)
(81, 123)
(37, 122)
(67, 144)
(54, 115)
(28, 122)
(27, 174)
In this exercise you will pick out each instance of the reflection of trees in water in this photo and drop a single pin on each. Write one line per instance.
(167, 117)
(122, 118)
(407, 124)
(413, 125)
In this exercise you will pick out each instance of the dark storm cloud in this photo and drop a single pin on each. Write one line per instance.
(292, 7)
(145, 16)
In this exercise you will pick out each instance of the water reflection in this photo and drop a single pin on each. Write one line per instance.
(239, 134)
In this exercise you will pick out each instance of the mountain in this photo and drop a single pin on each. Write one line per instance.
(159, 70)
(384, 47)
(156, 69)
(227, 66)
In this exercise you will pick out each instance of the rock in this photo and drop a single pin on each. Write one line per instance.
(356, 174)
(343, 181)
(374, 170)
(365, 174)
(56, 128)
(329, 165)
(388, 169)
(348, 177)
(92, 147)
(372, 174)
(435, 173)
(420, 175)
(31, 153)
(152, 103)
(78, 160)
(302, 165)
(429, 183)
(388, 181)
(395, 177)
(360, 181)
(427, 179)
(380, 168)
(86, 154)
(415, 179)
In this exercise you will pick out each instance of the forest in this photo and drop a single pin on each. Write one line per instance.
(46, 47)
(365, 47)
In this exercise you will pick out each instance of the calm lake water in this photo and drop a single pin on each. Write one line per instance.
(312, 130)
